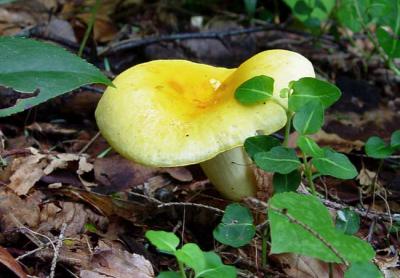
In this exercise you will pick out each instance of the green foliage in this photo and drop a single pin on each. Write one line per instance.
(286, 182)
(204, 264)
(311, 12)
(376, 147)
(46, 71)
(260, 143)
(395, 140)
(364, 269)
(289, 212)
(164, 241)
(169, 274)
(347, 221)
(335, 164)
(310, 89)
(388, 42)
(255, 90)
(236, 228)
(250, 6)
(310, 118)
(309, 147)
(279, 159)
(302, 224)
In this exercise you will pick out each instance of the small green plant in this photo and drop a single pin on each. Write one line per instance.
(203, 264)
(302, 224)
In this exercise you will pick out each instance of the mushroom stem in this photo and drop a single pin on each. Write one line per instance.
(232, 174)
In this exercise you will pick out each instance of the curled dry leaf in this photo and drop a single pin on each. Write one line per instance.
(8, 260)
(75, 215)
(110, 261)
(118, 173)
(26, 211)
(336, 142)
(28, 170)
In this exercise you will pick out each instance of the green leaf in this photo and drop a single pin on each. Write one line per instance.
(348, 221)
(363, 269)
(286, 182)
(255, 90)
(309, 147)
(191, 255)
(388, 42)
(30, 66)
(279, 159)
(236, 228)
(310, 89)
(377, 148)
(287, 235)
(215, 267)
(351, 12)
(169, 274)
(395, 140)
(163, 241)
(335, 164)
(260, 143)
(310, 118)
(6, 1)
(301, 8)
(387, 13)
(311, 12)
(250, 6)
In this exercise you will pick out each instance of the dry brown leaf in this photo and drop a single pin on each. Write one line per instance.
(111, 261)
(75, 215)
(119, 173)
(8, 260)
(25, 210)
(28, 170)
(306, 267)
(336, 142)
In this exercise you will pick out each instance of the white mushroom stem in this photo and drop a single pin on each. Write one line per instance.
(232, 174)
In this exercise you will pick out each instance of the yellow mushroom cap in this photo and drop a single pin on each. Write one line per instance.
(168, 113)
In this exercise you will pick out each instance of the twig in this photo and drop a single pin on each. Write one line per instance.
(84, 149)
(219, 35)
(57, 250)
(217, 210)
(34, 251)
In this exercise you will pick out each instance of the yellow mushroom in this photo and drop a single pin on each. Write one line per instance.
(167, 113)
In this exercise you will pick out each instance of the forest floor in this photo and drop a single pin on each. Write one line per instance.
(60, 180)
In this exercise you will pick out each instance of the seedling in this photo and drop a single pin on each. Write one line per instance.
(202, 264)
(307, 100)
(301, 224)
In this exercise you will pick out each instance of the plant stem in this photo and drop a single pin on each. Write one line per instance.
(389, 61)
(289, 116)
(182, 269)
(373, 185)
(330, 266)
(89, 27)
(307, 172)
(264, 246)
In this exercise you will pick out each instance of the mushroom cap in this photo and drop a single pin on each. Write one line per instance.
(169, 113)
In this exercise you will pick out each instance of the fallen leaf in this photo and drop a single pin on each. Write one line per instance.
(8, 260)
(75, 215)
(336, 142)
(109, 261)
(28, 170)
